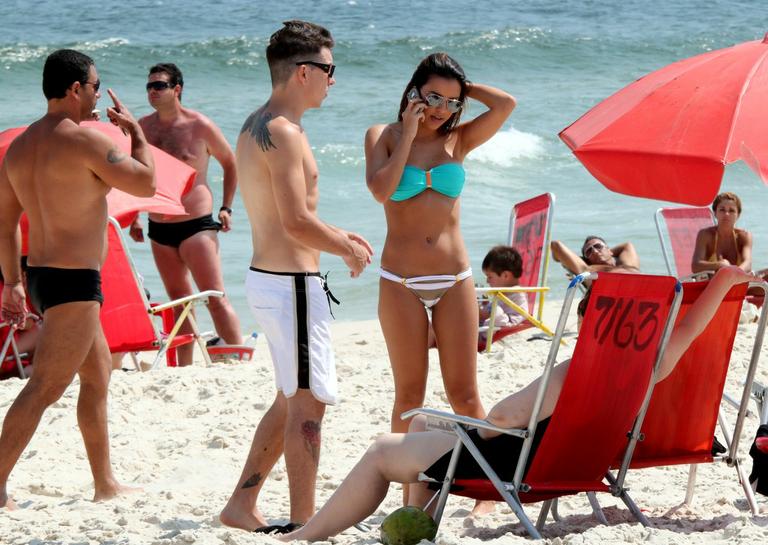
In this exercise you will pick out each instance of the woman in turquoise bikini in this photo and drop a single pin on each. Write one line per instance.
(414, 167)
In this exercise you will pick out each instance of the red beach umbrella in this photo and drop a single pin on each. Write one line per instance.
(174, 178)
(670, 134)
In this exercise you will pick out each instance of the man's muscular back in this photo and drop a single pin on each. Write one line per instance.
(278, 182)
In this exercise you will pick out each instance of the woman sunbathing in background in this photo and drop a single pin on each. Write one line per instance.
(400, 457)
(723, 244)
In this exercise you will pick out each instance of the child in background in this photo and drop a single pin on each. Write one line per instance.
(503, 266)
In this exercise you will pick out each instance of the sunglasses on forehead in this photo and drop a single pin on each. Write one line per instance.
(159, 85)
(325, 67)
(434, 100)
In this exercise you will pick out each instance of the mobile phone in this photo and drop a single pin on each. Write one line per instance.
(413, 95)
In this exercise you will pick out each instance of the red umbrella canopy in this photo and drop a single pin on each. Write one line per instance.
(174, 178)
(670, 134)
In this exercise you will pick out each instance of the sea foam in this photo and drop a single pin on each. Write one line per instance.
(508, 146)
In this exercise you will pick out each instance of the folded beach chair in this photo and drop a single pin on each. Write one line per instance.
(127, 316)
(530, 231)
(677, 229)
(610, 379)
(684, 411)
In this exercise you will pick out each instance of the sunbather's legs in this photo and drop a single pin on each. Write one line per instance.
(92, 417)
(241, 510)
(302, 452)
(405, 325)
(454, 320)
(64, 342)
(177, 282)
(391, 458)
(200, 253)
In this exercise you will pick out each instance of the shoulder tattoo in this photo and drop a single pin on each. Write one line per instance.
(256, 125)
(114, 155)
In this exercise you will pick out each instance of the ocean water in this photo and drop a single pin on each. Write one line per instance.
(557, 58)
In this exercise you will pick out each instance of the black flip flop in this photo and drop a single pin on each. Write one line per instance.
(279, 528)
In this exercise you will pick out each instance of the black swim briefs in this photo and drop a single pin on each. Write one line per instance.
(51, 286)
(502, 453)
(173, 234)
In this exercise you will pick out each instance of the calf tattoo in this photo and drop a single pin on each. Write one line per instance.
(252, 481)
(256, 124)
(310, 432)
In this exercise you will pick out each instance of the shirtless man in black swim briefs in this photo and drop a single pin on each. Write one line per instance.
(189, 243)
(59, 174)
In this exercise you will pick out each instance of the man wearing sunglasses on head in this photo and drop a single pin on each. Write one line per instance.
(189, 244)
(596, 255)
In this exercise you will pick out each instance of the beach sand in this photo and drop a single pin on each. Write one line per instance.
(183, 434)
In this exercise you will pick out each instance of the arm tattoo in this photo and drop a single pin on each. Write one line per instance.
(114, 155)
(252, 481)
(310, 432)
(256, 124)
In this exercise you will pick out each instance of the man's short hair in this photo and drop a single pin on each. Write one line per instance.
(727, 196)
(503, 258)
(296, 41)
(174, 74)
(591, 237)
(63, 68)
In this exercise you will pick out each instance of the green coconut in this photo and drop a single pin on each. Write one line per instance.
(407, 526)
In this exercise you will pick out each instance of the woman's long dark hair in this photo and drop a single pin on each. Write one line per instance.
(437, 64)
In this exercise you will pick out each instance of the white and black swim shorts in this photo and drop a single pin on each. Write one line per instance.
(293, 312)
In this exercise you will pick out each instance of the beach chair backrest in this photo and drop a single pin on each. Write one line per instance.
(680, 422)
(530, 231)
(681, 225)
(627, 321)
(127, 324)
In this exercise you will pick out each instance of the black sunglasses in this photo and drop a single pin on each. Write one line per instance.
(159, 85)
(96, 84)
(327, 68)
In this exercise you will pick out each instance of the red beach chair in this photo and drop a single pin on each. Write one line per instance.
(530, 232)
(677, 229)
(626, 326)
(126, 315)
(15, 362)
(681, 421)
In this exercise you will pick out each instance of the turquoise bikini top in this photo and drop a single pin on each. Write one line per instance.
(447, 179)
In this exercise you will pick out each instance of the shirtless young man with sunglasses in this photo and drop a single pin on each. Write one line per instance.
(189, 244)
(596, 255)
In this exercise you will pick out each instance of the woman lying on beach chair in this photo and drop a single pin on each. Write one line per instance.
(401, 457)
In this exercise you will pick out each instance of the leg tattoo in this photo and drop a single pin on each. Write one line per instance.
(252, 481)
(310, 431)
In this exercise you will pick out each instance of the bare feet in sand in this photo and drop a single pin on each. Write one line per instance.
(238, 516)
(105, 493)
(7, 503)
(483, 507)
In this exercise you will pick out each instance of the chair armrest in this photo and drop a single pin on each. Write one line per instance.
(513, 289)
(464, 421)
(184, 300)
